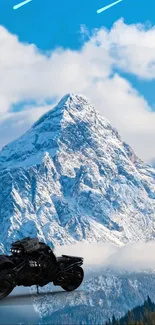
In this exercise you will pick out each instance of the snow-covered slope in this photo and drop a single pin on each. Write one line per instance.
(71, 178)
(96, 300)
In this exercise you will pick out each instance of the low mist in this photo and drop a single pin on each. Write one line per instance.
(131, 257)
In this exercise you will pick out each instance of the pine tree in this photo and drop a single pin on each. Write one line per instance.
(141, 315)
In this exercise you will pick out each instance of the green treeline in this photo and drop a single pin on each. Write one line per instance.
(141, 315)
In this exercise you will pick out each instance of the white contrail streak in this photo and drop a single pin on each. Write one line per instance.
(109, 6)
(21, 4)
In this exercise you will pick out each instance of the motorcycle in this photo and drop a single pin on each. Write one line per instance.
(33, 263)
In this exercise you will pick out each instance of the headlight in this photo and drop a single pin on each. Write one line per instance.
(17, 251)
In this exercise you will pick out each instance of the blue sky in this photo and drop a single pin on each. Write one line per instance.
(50, 24)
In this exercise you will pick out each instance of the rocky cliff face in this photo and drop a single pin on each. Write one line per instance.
(71, 178)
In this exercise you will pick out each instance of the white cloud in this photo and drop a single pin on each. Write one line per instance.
(26, 74)
(131, 257)
(134, 48)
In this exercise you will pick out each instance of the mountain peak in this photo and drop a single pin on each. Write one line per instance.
(78, 100)
(70, 102)
(70, 178)
(72, 115)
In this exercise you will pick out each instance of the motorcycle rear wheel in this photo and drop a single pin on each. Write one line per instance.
(6, 283)
(75, 282)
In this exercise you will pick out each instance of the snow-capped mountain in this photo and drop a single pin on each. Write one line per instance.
(71, 178)
(96, 300)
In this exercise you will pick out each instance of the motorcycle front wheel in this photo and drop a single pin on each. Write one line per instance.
(74, 280)
(6, 283)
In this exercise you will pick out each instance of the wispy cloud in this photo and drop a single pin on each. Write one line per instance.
(108, 6)
(21, 4)
(131, 257)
